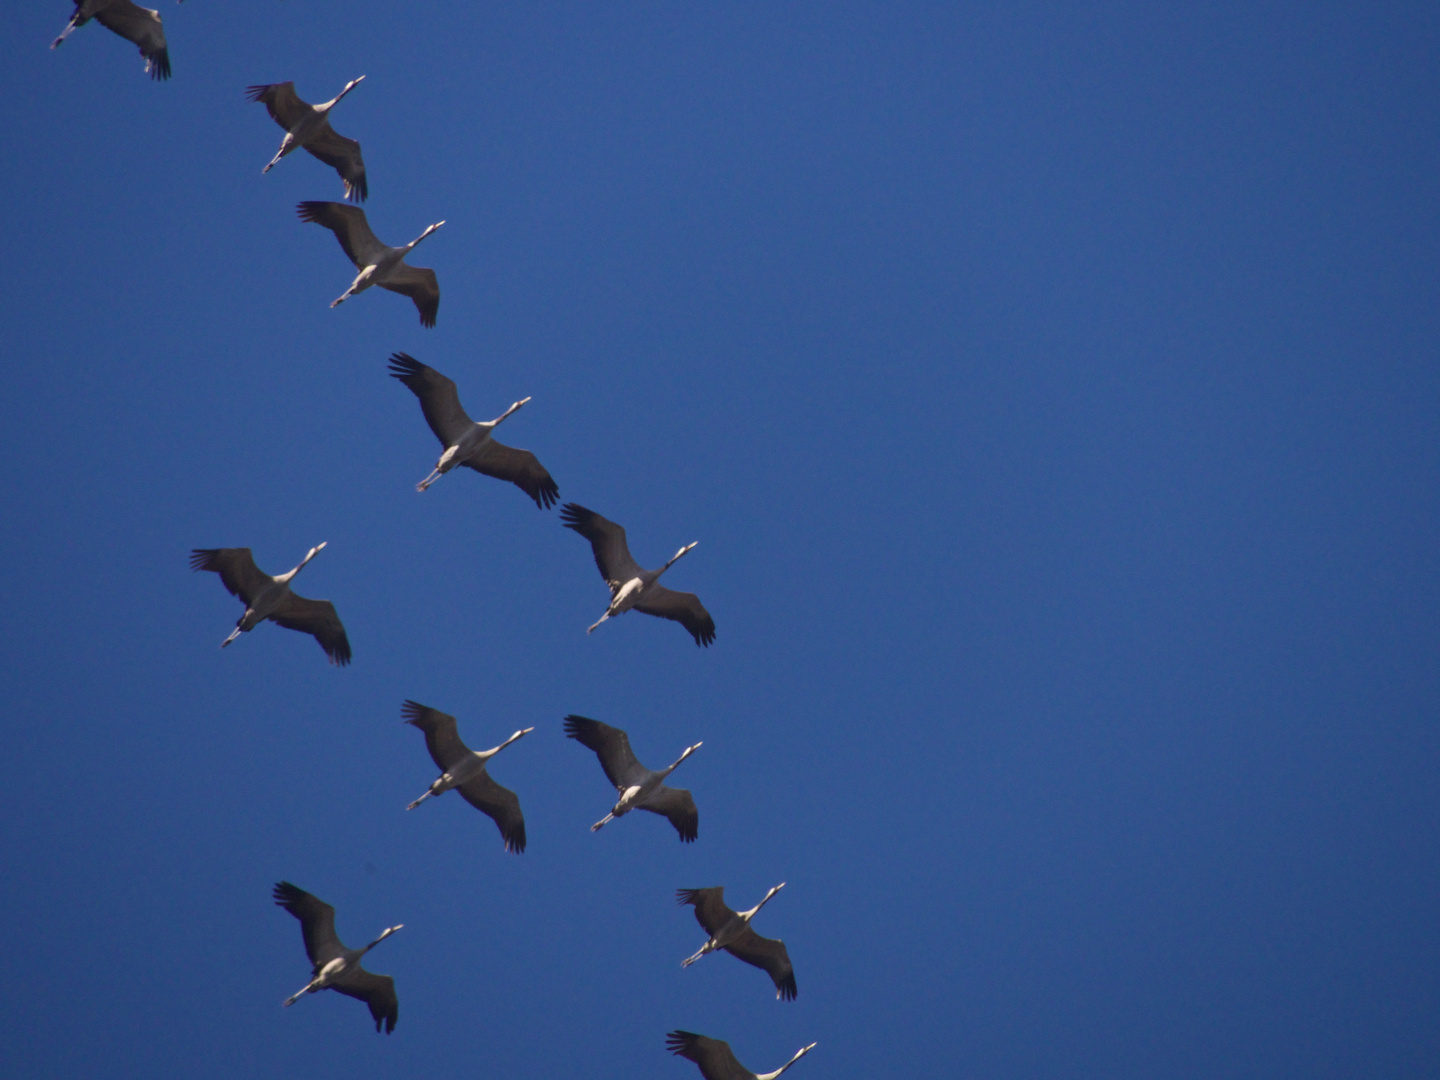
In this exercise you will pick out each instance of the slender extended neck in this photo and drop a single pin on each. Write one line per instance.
(799, 1054)
(512, 409)
(312, 553)
(676, 558)
(688, 751)
(748, 915)
(491, 753)
(414, 243)
(351, 85)
(382, 937)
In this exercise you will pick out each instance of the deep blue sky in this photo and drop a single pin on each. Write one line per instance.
(1052, 390)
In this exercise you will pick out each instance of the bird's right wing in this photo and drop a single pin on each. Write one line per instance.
(317, 922)
(768, 954)
(714, 1056)
(377, 991)
(237, 570)
(520, 467)
(421, 285)
(611, 746)
(683, 607)
(286, 107)
(350, 227)
(439, 399)
(319, 619)
(678, 805)
(442, 738)
(342, 155)
(607, 541)
(710, 909)
(142, 27)
(500, 803)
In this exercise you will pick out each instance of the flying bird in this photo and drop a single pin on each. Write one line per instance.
(716, 1060)
(309, 126)
(730, 930)
(638, 787)
(269, 597)
(464, 769)
(467, 442)
(138, 25)
(334, 966)
(630, 586)
(378, 263)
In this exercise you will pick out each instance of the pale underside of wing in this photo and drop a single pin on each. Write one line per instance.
(284, 105)
(678, 805)
(710, 909)
(377, 991)
(350, 227)
(142, 27)
(611, 746)
(502, 804)
(520, 467)
(342, 155)
(683, 607)
(714, 1056)
(421, 285)
(237, 570)
(442, 736)
(607, 541)
(317, 922)
(768, 954)
(318, 619)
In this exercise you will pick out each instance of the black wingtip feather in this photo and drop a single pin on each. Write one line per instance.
(200, 558)
(255, 93)
(785, 988)
(160, 65)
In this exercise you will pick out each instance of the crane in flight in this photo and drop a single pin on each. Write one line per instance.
(731, 931)
(137, 25)
(638, 788)
(716, 1060)
(379, 264)
(309, 126)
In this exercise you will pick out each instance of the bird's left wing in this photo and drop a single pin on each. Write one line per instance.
(684, 607)
(142, 27)
(500, 803)
(350, 227)
(442, 737)
(768, 954)
(317, 618)
(342, 155)
(377, 991)
(520, 467)
(678, 805)
(711, 911)
(317, 922)
(714, 1056)
(237, 570)
(285, 106)
(421, 285)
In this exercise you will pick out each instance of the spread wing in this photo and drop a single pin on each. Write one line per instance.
(520, 467)
(342, 155)
(769, 955)
(318, 619)
(611, 746)
(421, 285)
(710, 909)
(350, 227)
(377, 991)
(500, 803)
(439, 399)
(685, 608)
(677, 805)
(237, 570)
(142, 27)
(442, 738)
(286, 107)
(607, 541)
(714, 1056)
(317, 922)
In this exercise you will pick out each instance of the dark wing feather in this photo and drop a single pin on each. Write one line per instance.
(607, 541)
(768, 954)
(684, 607)
(520, 467)
(350, 227)
(317, 922)
(500, 803)
(714, 1056)
(318, 619)
(442, 738)
(678, 805)
(710, 910)
(377, 991)
(237, 570)
(611, 746)
(342, 155)
(439, 398)
(142, 27)
(285, 106)
(421, 285)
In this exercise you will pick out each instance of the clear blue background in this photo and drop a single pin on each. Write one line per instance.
(1052, 390)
